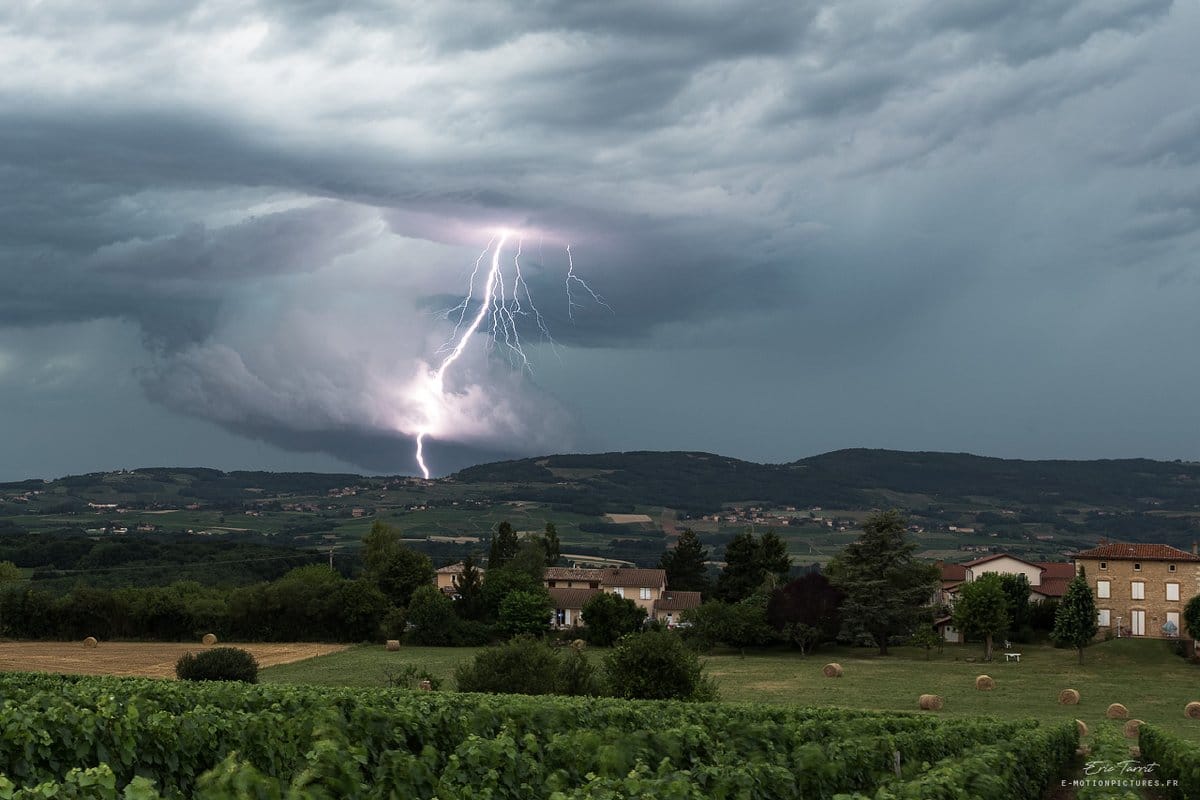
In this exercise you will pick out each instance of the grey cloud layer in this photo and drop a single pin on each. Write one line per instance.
(782, 181)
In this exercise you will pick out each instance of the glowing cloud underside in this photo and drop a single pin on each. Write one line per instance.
(503, 306)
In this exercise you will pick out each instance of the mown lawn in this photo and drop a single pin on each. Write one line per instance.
(1143, 675)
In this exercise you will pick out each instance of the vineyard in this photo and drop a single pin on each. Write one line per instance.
(73, 737)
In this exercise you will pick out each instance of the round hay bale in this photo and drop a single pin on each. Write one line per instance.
(1131, 728)
(90, 642)
(930, 702)
(1117, 711)
(209, 638)
(1192, 710)
(832, 670)
(1068, 697)
(578, 644)
(985, 683)
(1082, 727)
(393, 645)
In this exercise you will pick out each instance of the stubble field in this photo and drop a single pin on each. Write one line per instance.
(140, 659)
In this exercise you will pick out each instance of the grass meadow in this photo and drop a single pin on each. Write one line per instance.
(1141, 674)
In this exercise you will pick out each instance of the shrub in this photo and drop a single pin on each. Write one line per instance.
(609, 617)
(432, 616)
(656, 666)
(523, 665)
(218, 664)
(409, 676)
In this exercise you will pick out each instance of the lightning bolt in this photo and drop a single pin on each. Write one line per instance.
(502, 304)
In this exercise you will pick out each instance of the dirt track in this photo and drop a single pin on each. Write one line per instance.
(146, 659)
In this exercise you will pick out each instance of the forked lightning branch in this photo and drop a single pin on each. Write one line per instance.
(504, 301)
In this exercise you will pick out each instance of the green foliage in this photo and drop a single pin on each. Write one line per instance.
(524, 665)
(397, 570)
(218, 664)
(739, 625)
(1178, 759)
(1020, 610)
(1191, 617)
(410, 676)
(1108, 746)
(982, 609)
(577, 675)
(926, 638)
(432, 615)
(656, 666)
(525, 612)
(685, 564)
(9, 573)
(551, 544)
(608, 617)
(499, 583)
(503, 546)
(469, 586)
(749, 563)
(156, 739)
(887, 589)
(1075, 624)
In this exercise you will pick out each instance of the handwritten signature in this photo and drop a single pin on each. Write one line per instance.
(1122, 767)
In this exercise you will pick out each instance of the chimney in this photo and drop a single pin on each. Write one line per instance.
(1195, 548)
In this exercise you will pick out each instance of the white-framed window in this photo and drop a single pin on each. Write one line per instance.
(1103, 565)
(1172, 619)
(1103, 589)
(1104, 618)
(1137, 590)
(645, 593)
(619, 592)
(1173, 591)
(1170, 568)
(1137, 567)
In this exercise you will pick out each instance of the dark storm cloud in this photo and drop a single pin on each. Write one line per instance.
(279, 196)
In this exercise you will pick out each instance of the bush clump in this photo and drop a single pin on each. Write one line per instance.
(218, 664)
(526, 665)
(656, 666)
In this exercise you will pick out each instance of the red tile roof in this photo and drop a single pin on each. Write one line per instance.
(1052, 587)
(677, 601)
(1121, 551)
(571, 598)
(573, 574)
(954, 572)
(1057, 569)
(648, 578)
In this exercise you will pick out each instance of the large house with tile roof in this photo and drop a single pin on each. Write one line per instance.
(1141, 589)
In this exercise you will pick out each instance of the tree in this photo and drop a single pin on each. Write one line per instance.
(551, 544)
(925, 636)
(1075, 624)
(432, 616)
(501, 582)
(504, 546)
(609, 617)
(807, 611)
(749, 563)
(773, 558)
(1191, 617)
(656, 666)
(397, 570)
(9, 573)
(747, 624)
(526, 612)
(685, 564)
(982, 610)
(469, 587)
(1020, 615)
(886, 588)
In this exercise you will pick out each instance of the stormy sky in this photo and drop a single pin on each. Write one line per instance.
(230, 231)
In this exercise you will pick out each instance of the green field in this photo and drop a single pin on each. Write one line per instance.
(1143, 675)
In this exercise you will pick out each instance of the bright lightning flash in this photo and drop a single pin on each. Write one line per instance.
(501, 307)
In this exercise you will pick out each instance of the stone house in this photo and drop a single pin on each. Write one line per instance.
(1141, 589)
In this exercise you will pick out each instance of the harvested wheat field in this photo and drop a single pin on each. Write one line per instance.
(144, 659)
